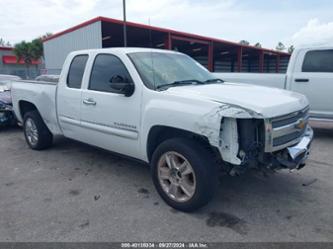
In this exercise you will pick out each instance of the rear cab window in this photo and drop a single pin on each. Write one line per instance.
(318, 61)
(76, 71)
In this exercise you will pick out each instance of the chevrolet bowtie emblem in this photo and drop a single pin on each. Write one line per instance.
(301, 124)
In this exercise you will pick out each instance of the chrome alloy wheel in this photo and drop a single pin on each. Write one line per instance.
(176, 176)
(31, 132)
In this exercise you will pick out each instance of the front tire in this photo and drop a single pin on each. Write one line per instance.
(36, 133)
(184, 173)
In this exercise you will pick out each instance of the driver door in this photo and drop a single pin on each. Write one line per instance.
(110, 119)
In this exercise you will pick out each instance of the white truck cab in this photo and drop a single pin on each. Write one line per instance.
(310, 72)
(165, 109)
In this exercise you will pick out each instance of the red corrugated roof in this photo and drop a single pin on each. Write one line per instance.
(6, 48)
(172, 32)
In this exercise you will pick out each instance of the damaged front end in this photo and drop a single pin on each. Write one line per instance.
(288, 139)
(261, 147)
(247, 140)
(7, 116)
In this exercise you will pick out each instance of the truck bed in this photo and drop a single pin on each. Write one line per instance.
(43, 96)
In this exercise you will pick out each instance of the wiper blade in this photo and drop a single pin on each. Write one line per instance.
(180, 83)
(214, 80)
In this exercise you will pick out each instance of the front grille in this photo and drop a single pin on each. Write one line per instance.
(288, 119)
(285, 130)
(287, 138)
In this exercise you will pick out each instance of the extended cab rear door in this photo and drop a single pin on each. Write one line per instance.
(69, 95)
(313, 77)
(110, 120)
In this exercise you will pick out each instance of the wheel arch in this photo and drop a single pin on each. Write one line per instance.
(26, 106)
(160, 133)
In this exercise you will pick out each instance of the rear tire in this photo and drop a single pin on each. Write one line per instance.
(36, 133)
(193, 183)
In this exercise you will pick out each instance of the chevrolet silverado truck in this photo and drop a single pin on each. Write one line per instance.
(167, 110)
(310, 72)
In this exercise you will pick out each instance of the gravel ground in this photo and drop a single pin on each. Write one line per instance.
(74, 192)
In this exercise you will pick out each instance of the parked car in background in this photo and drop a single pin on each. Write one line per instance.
(165, 109)
(310, 72)
(6, 79)
(9, 77)
(7, 116)
(48, 78)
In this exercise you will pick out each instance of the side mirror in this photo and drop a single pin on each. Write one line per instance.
(121, 85)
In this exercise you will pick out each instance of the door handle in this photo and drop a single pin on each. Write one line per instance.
(89, 101)
(301, 80)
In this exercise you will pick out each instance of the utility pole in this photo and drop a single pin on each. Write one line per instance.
(124, 26)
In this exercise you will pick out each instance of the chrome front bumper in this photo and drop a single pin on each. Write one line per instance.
(294, 157)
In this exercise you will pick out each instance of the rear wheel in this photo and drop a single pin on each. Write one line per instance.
(36, 133)
(184, 174)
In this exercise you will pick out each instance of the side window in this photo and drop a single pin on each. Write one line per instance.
(318, 61)
(76, 71)
(108, 70)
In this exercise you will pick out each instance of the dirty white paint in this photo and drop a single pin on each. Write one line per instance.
(200, 109)
(220, 127)
(229, 141)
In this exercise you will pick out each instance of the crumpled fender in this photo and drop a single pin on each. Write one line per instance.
(220, 127)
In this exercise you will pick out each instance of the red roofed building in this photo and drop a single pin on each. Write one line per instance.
(216, 54)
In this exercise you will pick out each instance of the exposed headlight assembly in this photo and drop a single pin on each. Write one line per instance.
(5, 107)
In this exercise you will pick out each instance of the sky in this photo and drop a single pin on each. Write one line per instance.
(293, 22)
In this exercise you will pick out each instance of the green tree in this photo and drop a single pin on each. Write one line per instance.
(3, 43)
(37, 48)
(29, 51)
(291, 49)
(24, 51)
(280, 47)
(258, 45)
(46, 35)
(244, 42)
(37, 51)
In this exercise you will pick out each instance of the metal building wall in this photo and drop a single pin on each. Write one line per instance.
(284, 61)
(56, 50)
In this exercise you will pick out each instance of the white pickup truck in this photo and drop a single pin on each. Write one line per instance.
(310, 72)
(165, 109)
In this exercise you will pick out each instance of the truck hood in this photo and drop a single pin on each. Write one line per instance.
(265, 101)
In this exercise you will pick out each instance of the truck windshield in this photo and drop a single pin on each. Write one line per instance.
(160, 70)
